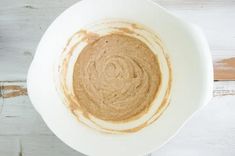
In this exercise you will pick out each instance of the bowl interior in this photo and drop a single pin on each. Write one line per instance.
(192, 76)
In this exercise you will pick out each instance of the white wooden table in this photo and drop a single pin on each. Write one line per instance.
(211, 131)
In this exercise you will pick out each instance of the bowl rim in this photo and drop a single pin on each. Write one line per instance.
(208, 73)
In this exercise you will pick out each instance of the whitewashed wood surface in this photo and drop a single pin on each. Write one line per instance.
(210, 132)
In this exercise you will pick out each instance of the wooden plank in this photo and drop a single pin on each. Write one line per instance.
(23, 22)
(46, 146)
(195, 4)
(10, 91)
(1, 99)
(18, 112)
(224, 88)
(9, 146)
(214, 17)
(34, 146)
(224, 69)
(210, 132)
(18, 116)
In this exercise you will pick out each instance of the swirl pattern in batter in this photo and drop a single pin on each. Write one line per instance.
(116, 78)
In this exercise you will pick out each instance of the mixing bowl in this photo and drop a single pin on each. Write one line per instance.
(188, 53)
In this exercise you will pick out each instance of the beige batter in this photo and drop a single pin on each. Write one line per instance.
(116, 78)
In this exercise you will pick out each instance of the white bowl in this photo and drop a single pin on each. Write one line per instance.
(192, 76)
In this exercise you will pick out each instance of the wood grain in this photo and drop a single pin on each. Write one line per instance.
(34, 146)
(9, 91)
(224, 69)
(18, 116)
(23, 22)
(210, 132)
